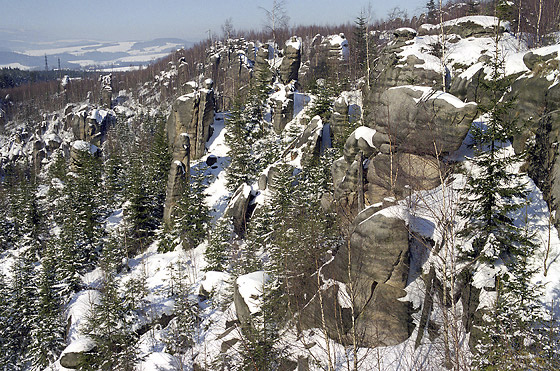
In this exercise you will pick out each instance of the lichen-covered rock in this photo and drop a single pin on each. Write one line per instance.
(532, 60)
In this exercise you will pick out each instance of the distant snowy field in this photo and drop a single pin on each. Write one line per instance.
(87, 54)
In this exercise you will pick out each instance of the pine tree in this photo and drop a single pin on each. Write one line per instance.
(239, 138)
(431, 8)
(20, 310)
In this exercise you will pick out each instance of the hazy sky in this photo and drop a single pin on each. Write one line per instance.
(120, 20)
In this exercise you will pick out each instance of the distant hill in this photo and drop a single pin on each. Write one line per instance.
(87, 54)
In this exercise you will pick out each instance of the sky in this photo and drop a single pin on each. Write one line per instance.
(128, 20)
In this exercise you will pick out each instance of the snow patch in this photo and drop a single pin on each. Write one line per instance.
(250, 288)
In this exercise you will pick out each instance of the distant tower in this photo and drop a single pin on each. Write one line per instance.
(59, 70)
(46, 64)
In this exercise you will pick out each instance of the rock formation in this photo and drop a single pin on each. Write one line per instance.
(88, 123)
(291, 60)
(192, 113)
(282, 107)
(188, 129)
(106, 91)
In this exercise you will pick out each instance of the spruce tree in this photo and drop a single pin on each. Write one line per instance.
(109, 325)
(493, 193)
(182, 330)
(48, 325)
(190, 216)
(219, 247)
(239, 138)
(20, 310)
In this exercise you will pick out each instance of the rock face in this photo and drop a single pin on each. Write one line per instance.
(178, 174)
(407, 125)
(262, 67)
(477, 26)
(239, 208)
(193, 114)
(106, 91)
(339, 120)
(90, 124)
(282, 108)
(292, 60)
(416, 118)
(378, 272)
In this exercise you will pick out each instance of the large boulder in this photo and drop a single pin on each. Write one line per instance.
(419, 119)
(239, 209)
(401, 173)
(376, 264)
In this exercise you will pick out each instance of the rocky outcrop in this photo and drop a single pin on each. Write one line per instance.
(378, 272)
(178, 174)
(291, 61)
(282, 107)
(79, 150)
(474, 26)
(408, 124)
(192, 113)
(89, 124)
(262, 67)
(339, 119)
(416, 119)
(392, 70)
(239, 208)
(308, 144)
(106, 91)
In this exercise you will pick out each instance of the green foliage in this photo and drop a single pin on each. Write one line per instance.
(494, 194)
(325, 93)
(432, 12)
(182, 329)
(190, 216)
(260, 350)
(18, 311)
(219, 248)
(80, 216)
(243, 131)
(48, 326)
(109, 325)
(360, 39)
